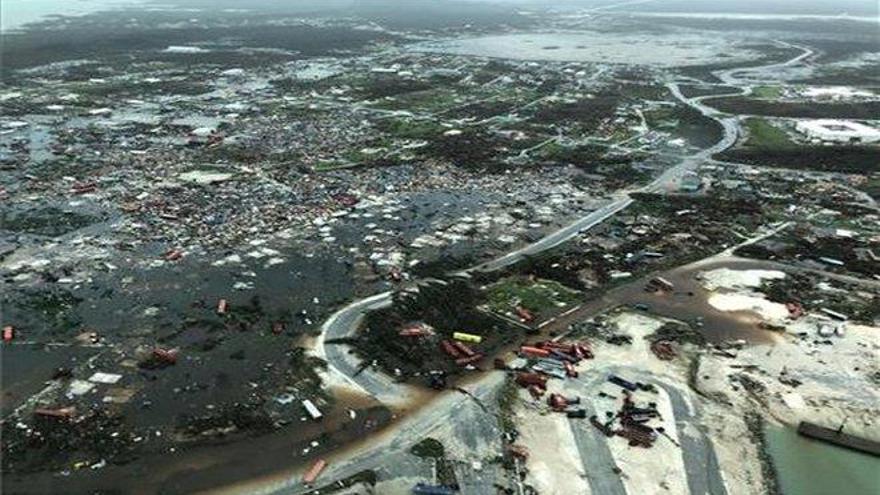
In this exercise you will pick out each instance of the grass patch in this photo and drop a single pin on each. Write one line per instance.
(428, 448)
(535, 295)
(767, 92)
(411, 129)
(763, 134)
(507, 397)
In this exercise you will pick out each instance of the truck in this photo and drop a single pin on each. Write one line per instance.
(622, 383)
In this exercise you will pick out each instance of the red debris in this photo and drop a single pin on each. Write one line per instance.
(8, 333)
(518, 451)
(166, 355)
(464, 349)
(61, 413)
(557, 402)
(524, 314)
(83, 188)
(450, 349)
(416, 331)
(663, 349)
(536, 391)
(533, 351)
(346, 199)
(468, 360)
(311, 475)
(528, 379)
(795, 309)
(173, 255)
(222, 307)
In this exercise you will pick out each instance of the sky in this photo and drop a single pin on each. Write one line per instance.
(16, 13)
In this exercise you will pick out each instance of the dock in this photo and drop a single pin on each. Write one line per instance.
(846, 440)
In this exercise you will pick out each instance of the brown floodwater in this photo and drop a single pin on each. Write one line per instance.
(687, 303)
(266, 458)
(189, 469)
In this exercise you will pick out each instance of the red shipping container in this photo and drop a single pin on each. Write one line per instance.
(312, 474)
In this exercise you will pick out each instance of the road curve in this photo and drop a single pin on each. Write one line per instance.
(344, 323)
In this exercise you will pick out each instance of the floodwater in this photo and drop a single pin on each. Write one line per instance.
(809, 467)
(663, 50)
(687, 303)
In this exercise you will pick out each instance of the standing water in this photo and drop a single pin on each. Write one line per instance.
(809, 467)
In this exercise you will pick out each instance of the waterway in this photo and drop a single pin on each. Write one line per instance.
(809, 467)
(665, 50)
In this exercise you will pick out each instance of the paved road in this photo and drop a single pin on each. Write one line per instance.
(700, 464)
(698, 456)
(596, 457)
(344, 366)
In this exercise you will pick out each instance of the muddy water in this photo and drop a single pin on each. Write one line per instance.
(188, 469)
(25, 368)
(192, 468)
(688, 303)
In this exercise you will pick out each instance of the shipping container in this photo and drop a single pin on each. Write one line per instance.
(312, 409)
(467, 337)
(312, 474)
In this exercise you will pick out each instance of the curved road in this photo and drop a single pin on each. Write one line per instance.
(343, 367)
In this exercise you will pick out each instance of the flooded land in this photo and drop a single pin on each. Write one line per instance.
(468, 247)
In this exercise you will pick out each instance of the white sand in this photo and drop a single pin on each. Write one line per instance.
(768, 310)
(554, 462)
(725, 278)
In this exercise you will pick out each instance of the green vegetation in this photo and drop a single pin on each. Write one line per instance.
(763, 134)
(740, 105)
(411, 129)
(687, 123)
(506, 399)
(768, 92)
(374, 153)
(428, 448)
(872, 186)
(535, 295)
(431, 448)
(431, 100)
(768, 145)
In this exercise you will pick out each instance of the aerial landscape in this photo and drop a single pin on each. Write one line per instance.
(359, 247)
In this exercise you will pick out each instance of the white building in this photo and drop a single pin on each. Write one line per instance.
(838, 131)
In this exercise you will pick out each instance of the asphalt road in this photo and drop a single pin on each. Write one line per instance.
(700, 463)
(698, 455)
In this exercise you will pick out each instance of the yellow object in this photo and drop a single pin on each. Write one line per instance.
(467, 337)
